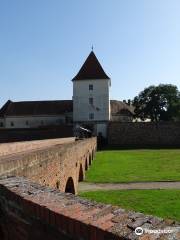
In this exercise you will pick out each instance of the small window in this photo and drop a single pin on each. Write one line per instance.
(42, 122)
(1, 124)
(27, 123)
(91, 101)
(91, 116)
(90, 87)
(12, 124)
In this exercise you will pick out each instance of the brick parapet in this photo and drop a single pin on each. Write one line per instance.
(34, 208)
(19, 147)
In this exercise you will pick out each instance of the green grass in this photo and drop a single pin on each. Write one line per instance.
(135, 166)
(162, 203)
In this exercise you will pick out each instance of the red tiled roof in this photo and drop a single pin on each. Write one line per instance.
(31, 108)
(91, 69)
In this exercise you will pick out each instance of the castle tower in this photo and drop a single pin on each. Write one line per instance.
(91, 104)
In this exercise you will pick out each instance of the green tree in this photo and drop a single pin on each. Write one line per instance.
(158, 103)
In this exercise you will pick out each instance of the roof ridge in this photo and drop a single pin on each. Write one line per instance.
(41, 101)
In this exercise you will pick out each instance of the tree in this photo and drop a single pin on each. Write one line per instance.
(158, 103)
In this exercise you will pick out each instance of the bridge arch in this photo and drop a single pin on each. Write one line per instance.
(90, 159)
(70, 186)
(81, 174)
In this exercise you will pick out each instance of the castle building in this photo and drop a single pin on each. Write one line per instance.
(91, 103)
(33, 114)
(91, 106)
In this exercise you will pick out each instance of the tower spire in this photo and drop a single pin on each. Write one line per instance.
(92, 47)
(91, 69)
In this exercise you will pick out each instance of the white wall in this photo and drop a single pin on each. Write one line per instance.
(100, 95)
(34, 121)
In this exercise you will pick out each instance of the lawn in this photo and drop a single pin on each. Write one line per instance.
(135, 166)
(162, 203)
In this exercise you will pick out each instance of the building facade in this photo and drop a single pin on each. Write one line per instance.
(35, 114)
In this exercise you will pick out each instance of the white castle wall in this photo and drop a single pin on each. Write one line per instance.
(100, 95)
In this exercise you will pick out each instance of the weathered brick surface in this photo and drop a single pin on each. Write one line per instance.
(56, 165)
(141, 134)
(32, 211)
(13, 148)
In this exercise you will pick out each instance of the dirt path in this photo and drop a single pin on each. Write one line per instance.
(85, 186)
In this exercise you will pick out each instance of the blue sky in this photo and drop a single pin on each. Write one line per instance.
(43, 43)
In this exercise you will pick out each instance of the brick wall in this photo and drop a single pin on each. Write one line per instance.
(57, 165)
(28, 134)
(144, 134)
(33, 212)
(16, 147)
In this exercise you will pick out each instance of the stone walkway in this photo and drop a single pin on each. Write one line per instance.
(85, 186)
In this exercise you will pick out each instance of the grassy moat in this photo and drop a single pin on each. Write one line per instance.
(135, 166)
(124, 166)
(162, 203)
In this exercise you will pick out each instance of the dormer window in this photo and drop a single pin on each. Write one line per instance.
(90, 87)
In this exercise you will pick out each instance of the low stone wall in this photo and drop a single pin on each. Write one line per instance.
(141, 134)
(33, 212)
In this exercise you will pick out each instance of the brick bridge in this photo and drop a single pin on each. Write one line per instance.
(58, 163)
(33, 208)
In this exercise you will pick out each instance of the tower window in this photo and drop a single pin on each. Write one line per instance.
(90, 87)
(91, 101)
(91, 116)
